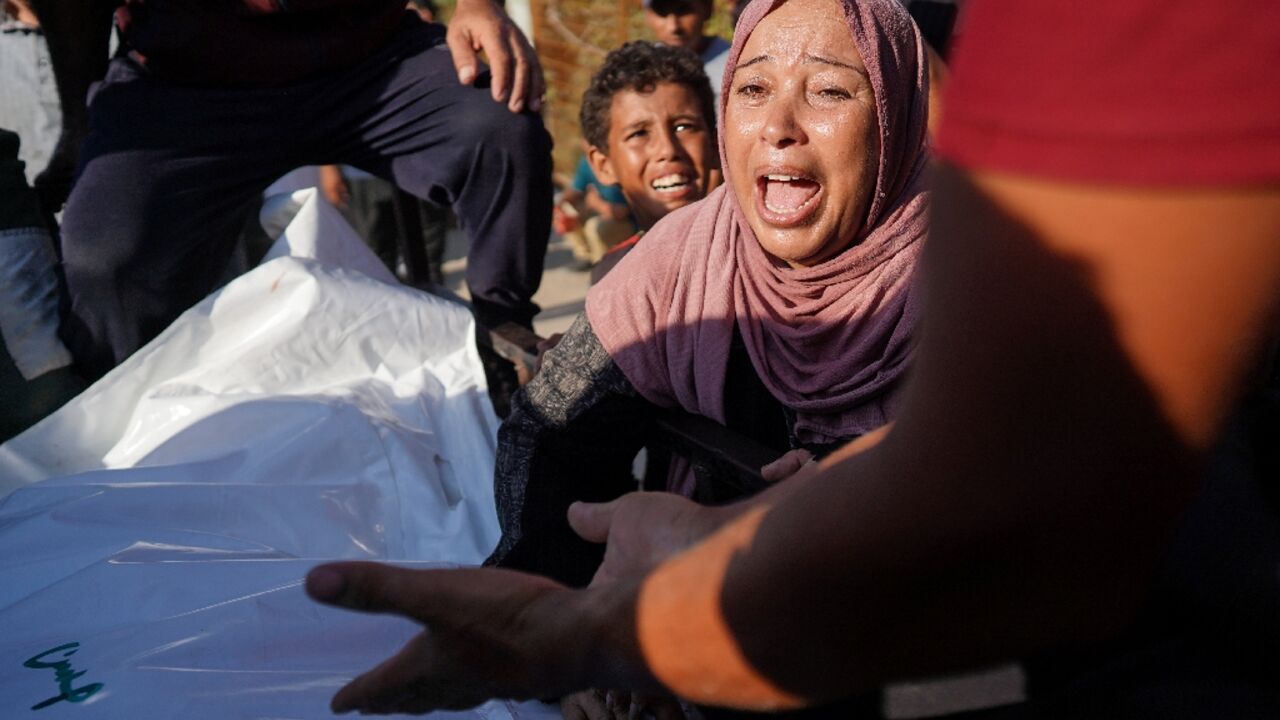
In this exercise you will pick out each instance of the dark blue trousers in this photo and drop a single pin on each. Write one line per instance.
(168, 171)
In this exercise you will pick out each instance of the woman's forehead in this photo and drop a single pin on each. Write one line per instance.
(803, 32)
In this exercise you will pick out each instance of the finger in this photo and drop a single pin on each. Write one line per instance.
(519, 83)
(781, 468)
(573, 710)
(386, 688)
(586, 705)
(547, 344)
(539, 82)
(378, 588)
(464, 55)
(786, 466)
(668, 709)
(592, 520)
(619, 704)
(495, 45)
(594, 706)
(662, 707)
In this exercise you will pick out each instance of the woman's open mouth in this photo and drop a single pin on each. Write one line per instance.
(786, 199)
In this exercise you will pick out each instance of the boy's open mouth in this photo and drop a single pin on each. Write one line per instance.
(673, 184)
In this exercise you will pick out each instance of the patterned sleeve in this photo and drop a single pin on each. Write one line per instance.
(572, 435)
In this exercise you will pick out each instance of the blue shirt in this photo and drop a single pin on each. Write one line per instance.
(584, 178)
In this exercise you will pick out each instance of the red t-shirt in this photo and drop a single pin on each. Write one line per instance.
(1149, 92)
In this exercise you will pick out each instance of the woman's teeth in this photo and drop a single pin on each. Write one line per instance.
(788, 194)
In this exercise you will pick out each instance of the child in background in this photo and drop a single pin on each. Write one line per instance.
(679, 23)
(649, 122)
(592, 216)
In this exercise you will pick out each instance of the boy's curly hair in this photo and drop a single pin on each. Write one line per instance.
(639, 66)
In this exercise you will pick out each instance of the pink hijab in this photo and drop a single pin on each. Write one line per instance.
(831, 342)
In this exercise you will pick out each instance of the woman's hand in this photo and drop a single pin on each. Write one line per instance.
(789, 464)
(545, 346)
(641, 529)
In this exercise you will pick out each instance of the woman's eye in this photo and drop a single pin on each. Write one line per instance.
(751, 91)
(835, 93)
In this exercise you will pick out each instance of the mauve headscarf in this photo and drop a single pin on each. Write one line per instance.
(830, 341)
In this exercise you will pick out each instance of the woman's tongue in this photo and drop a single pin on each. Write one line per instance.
(788, 196)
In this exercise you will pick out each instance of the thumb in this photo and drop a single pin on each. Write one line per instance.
(592, 520)
(374, 587)
(786, 466)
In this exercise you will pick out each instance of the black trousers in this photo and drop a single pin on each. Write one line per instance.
(168, 171)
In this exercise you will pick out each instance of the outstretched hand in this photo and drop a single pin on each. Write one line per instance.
(642, 529)
(517, 76)
(489, 634)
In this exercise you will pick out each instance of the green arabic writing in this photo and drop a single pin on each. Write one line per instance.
(64, 675)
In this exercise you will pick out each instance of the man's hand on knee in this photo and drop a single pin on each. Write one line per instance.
(481, 25)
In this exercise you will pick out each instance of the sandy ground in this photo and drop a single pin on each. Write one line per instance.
(561, 294)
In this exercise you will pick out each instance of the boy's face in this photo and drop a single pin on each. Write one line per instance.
(661, 151)
(678, 23)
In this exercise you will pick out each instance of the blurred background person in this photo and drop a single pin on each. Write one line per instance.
(594, 215)
(35, 367)
(28, 92)
(735, 9)
(681, 23)
(426, 9)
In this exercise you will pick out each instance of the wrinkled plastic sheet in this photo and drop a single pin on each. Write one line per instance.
(155, 531)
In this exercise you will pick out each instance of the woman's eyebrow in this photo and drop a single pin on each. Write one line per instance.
(808, 59)
(819, 59)
(757, 59)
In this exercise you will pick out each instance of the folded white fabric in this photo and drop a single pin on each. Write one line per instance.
(157, 528)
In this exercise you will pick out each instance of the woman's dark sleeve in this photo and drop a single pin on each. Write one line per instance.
(572, 435)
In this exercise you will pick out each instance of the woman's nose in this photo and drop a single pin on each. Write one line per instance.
(782, 123)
